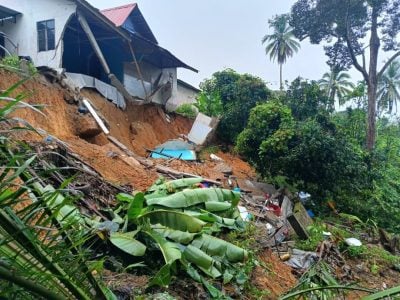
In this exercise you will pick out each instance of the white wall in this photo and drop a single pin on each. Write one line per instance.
(24, 33)
(183, 95)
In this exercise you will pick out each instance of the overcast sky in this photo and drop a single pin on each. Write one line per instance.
(211, 35)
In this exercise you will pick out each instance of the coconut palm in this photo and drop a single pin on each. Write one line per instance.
(389, 87)
(281, 43)
(336, 85)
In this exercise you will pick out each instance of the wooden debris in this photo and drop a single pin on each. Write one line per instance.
(178, 174)
(96, 116)
(128, 152)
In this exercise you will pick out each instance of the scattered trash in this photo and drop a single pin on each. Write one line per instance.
(302, 259)
(326, 234)
(215, 157)
(270, 228)
(310, 213)
(246, 216)
(353, 242)
(304, 197)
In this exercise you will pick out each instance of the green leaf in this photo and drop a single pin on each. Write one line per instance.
(163, 276)
(203, 261)
(125, 198)
(214, 206)
(127, 243)
(217, 247)
(172, 186)
(227, 277)
(136, 206)
(178, 236)
(174, 220)
(383, 294)
(170, 251)
(189, 198)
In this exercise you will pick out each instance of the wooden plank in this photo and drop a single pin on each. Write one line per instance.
(96, 116)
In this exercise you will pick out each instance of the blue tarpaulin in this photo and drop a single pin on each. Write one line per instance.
(175, 149)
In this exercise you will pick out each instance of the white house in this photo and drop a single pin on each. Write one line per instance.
(114, 46)
(186, 94)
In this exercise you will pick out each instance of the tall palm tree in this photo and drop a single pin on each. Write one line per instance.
(281, 43)
(336, 85)
(389, 87)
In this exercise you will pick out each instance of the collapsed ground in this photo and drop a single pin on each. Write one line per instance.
(140, 128)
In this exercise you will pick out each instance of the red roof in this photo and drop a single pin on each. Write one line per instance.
(118, 15)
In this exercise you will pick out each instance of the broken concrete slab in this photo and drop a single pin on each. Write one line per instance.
(201, 129)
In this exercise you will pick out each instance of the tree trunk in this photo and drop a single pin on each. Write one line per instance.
(280, 77)
(374, 44)
(332, 94)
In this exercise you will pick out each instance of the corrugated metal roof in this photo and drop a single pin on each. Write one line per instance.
(7, 13)
(118, 15)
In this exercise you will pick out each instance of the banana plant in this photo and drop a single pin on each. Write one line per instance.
(178, 217)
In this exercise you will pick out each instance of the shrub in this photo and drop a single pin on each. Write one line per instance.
(13, 62)
(187, 110)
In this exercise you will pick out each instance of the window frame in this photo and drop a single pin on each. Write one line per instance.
(46, 39)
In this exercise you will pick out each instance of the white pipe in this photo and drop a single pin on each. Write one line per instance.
(96, 117)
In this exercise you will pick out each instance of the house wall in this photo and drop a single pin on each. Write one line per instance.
(183, 95)
(24, 33)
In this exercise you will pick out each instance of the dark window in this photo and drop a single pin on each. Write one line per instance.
(46, 35)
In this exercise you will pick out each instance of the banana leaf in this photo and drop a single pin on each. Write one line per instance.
(174, 185)
(136, 206)
(215, 206)
(202, 260)
(178, 236)
(189, 198)
(213, 218)
(173, 219)
(127, 243)
(217, 247)
(171, 253)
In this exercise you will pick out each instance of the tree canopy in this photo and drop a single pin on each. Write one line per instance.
(238, 94)
(350, 28)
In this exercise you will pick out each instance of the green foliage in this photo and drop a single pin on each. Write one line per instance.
(210, 104)
(13, 63)
(238, 93)
(336, 84)
(50, 265)
(182, 221)
(315, 232)
(310, 154)
(307, 99)
(186, 110)
(356, 251)
(389, 88)
(268, 133)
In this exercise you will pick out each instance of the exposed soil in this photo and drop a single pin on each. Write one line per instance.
(276, 277)
(139, 127)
